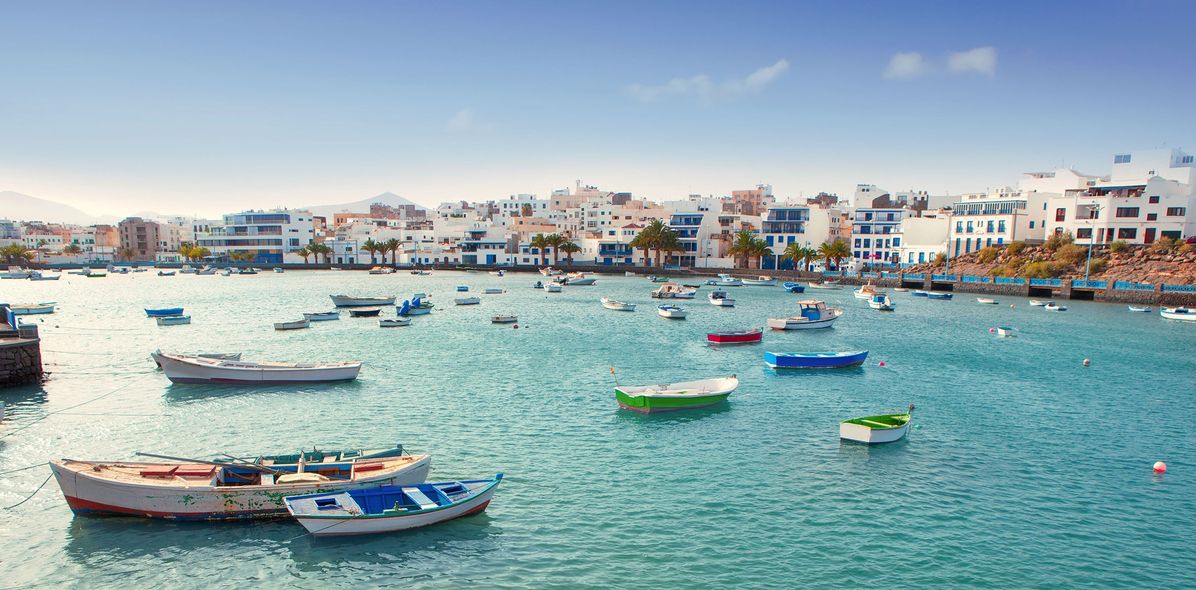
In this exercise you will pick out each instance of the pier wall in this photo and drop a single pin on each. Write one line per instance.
(20, 361)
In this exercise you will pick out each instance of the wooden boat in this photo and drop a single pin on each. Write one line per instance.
(32, 308)
(812, 314)
(658, 279)
(628, 273)
(725, 280)
(322, 316)
(227, 356)
(751, 336)
(719, 298)
(934, 295)
(498, 273)
(467, 300)
(760, 281)
(676, 396)
(387, 509)
(462, 288)
(163, 311)
(493, 291)
(617, 305)
(96, 274)
(552, 288)
(378, 270)
(1005, 332)
(986, 301)
(794, 287)
(900, 289)
(166, 273)
(814, 360)
(1052, 306)
(295, 325)
(393, 322)
(207, 270)
(674, 291)
(1139, 309)
(278, 269)
(347, 301)
(1184, 314)
(548, 271)
(422, 273)
(37, 275)
(1039, 302)
(181, 368)
(365, 312)
(241, 488)
(671, 312)
(884, 428)
(881, 302)
(826, 285)
(920, 293)
(865, 292)
(173, 320)
(504, 319)
(16, 272)
(577, 279)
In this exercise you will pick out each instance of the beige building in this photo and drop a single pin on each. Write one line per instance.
(141, 237)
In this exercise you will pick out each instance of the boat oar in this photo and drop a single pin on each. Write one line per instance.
(217, 463)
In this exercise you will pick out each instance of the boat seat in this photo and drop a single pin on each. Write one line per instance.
(880, 424)
(419, 498)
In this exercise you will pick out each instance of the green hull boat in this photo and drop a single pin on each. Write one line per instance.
(676, 396)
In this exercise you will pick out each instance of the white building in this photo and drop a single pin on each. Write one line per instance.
(273, 236)
(995, 218)
(875, 238)
(922, 239)
(796, 224)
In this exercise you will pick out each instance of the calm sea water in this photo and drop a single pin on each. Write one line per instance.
(1024, 468)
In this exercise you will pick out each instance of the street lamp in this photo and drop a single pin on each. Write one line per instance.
(1093, 213)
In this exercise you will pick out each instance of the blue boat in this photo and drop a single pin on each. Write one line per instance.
(164, 312)
(920, 293)
(814, 360)
(462, 288)
(794, 287)
(933, 295)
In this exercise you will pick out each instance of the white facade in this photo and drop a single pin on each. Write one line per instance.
(922, 239)
(273, 236)
(996, 218)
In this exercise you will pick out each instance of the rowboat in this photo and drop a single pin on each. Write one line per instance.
(173, 320)
(15, 272)
(986, 301)
(207, 270)
(390, 508)
(1052, 306)
(865, 292)
(884, 428)
(166, 273)
(881, 302)
(674, 291)
(814, 360)
(812, 314)
(1005, 332)
(422, 273)
(242, 488)
(32, 308)
(227, 356)
(1139, 309)
(548, 271)
(934, 295)
(365, 312)
(96, 274)
(1039, 303)
(900, 289)
(725, 280)
(182, 368)
(393, 322)
(719, 298)
(249, 271)
(552, 288)
(676, 396)
(760, 281)
(467, 300)
(37, 275)
(617, 305)
(826, 285)
(577, 279)
(751, 336)
(504, 319)
(347, 301)
(163, 311)
(794, 287)
(920, 293)
(462, 288)
(278, 269)
(295, 325)
(493, 291)
(671, 312)
(322, 316)
(1185, 314)
(416, 306)
(498, 273)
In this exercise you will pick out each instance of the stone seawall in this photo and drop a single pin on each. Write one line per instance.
(20, 361)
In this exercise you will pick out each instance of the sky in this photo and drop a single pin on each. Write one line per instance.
(210, 107)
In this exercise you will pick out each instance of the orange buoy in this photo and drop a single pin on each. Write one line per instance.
(1160, 467)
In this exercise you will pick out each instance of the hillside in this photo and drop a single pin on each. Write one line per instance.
(361, 206)
(21, 207)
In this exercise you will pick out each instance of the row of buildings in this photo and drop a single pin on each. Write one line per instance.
(1146, 196)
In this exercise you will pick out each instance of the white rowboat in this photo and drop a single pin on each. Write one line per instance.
(181, 368)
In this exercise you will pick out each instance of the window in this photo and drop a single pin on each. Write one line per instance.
(1176, 211)
(1127, 233)
(1031, 225)
(1127, 212)
(1152, 216)
(969, 227)
(1060, 214)
(1083, 233)
(989, 227)
(1154, 199)
(857, 242)
(959, 226)
(1001, 226)
(896, 242)
(1121, 159)
(1185, 160)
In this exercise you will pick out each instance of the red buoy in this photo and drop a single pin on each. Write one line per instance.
(1160, 467)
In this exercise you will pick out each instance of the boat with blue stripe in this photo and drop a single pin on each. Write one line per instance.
(794, 287)
(814, 360)
(163, 312)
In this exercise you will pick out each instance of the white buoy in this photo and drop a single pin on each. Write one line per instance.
(1087, 362)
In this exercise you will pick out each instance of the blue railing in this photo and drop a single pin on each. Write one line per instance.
(1046, 282)
(1128, 286)
(975, 279)
(1179, 288)
(889, 275)
(1082, 284)
(1009, 281)
(945, 278)
(831, 273)
(869, 275)
(850, 273)
(915, 276)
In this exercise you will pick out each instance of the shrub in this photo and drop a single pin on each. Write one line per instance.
(1187, 248)
(1057, 241)
(987, 254)
(1118, 246)
(940, 260)
(1071, 254)
(1098, 265)
(1047, 269)
(1015, 248)
(1163, 244)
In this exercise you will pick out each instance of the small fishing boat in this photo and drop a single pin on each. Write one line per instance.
(1052, 306)
(493, 291)
(166, 273)
(498, 273)
(238, 488)
(278, 269)
(187, 269)
(249, 271)
(986, 301)
(884, 428)
(548, 271)
(1139, 309)
(934, 295)
(182, 368)
(422, 273)
(224, 356)
(377, 270)
(347, 301)
(674, 291)
(576, 279)
(32, 308)
(812, 314)
(467, 300)
(1005, 332)
(685, 395)
(504, 319)
(15, 272)
(322, 316)
(658, 279)
(1039, 302)
(163, 311)
(207, 270)
(725, 280)
(814, 360)
(920, 293)
(365, 312)
(882, 302)
(1184, 314)
(390, 508)
(671, 312)
(719, 298)
(751, 336)
(628, 273)
(900, 289)
(794, 287)
(760, 281)
(417, 306)
(462, 288)
(36, 275)
(617, 305)
(865, 292)
(228, 272)
(393, 322)
(173, 320)
(826, 285)
(552, 288)
(295, 325)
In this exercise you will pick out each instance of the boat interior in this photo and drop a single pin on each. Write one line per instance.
(883, 421)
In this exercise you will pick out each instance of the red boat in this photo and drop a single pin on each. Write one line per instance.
(740, 337)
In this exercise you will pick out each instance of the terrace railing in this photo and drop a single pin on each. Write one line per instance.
(1179, 288)
(1046, 282)
(1009, 281)
(1131, 286)
(1082, 284)
(945, 278)
(975, 279)
(915, 276)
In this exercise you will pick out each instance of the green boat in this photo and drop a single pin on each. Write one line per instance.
(883, 428)
(686, 395)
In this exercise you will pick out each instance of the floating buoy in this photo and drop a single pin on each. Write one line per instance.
(516, 326)
(881, 364)
(991, 330)
(1087, 362)
(1160, 467)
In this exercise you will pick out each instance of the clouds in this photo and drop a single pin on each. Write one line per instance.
(908, 65)
(705, 89)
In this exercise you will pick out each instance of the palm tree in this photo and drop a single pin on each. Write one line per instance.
(667, 241)
(759, 250)
(13, 253)
(794, 253)
(125, 253)
(372, 247)
(72, 249)
(642, 241)
(305, 252)
(569, 247)
(742, 246)
(392, 246)
(836, 251)
(540, 241)
(650, 238)
(554, 241)
(29, 255)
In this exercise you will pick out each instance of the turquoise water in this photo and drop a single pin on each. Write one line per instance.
(1024, 468)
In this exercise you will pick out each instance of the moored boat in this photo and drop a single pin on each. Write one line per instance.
(1005, 332)
(173, 320)
(548, 271)
(676, 396)
(347, 301)
(671, 312)
(504, 319)
(462, 288)
(365, 312)
(576, 279)
(674, 291)
(938, 295)
(552, 288)
(882, 302)
(37, 275)
(725, 280)
(416, 306)
(15, 272)
(493, 291)
(467, 300)
(1139, 309)
(1052, 306)
(826, 285)
(920, 293)
(227, 356)
(295, 325)
(617, 305)
(390, 508)
(163, 311)
(498, 273)
(278, 269)
(32, 308)
(181, 368)
(815, 360)
(986, 301)
(1178, 313)
(794, 287)
(760, 281)
(166, 273)
(719, 298)
(865, 292)
(322, 316)
(812, 314)
(1039, 302)
(883, 428)
(750, 336)
(393, 322)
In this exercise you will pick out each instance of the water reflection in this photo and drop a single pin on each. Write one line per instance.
(673, 417)
(185, 393)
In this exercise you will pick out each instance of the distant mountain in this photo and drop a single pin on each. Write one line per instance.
(19, 207)
(362, 206)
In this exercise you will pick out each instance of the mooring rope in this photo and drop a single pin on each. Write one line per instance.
(82, 403)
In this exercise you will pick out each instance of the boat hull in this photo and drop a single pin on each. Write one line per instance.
(871, 436)
(182, 372)
(1185, 317)
(341, 301)
(340, 527)
(815, 361)
(793, 324)
(649, 404)
(751, 337)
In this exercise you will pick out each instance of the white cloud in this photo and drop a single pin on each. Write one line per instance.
(906, 65)
(981, 60)
(702, 87)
